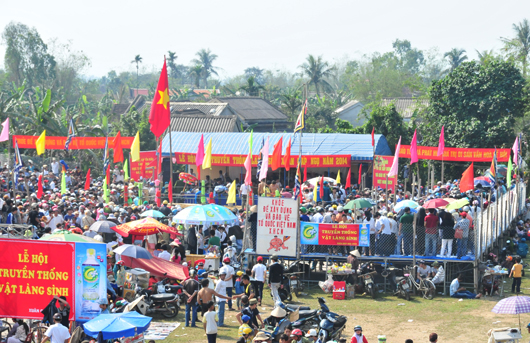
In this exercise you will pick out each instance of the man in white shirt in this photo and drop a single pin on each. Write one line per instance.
(229, 272)
(220, 288)
(384, 231)
(258, 272)
(56, 333)
(55, 166)
(318, 217)
(55, 219)
(438, 271)
(165, 254)
(424, 270)
(243, 192)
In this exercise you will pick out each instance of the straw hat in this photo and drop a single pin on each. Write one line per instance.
(355, 253)
(254, 209)
(278, 312)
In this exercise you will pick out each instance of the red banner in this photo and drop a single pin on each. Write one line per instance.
(456, 154)
(312, 161)
(382, 166)
(149, 159)
(57, 143)
(338, 234)
(32, 272)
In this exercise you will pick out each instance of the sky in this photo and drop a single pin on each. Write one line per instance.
(271, 34)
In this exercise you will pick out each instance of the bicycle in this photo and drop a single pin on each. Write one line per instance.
(425, 286)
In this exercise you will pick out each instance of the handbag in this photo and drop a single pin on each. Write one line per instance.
(459, 233)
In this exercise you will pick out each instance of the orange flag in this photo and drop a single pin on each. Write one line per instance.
(160, 109)
(348, 180)
(321, 187)
(467, 180)
(170, 191)
(87, 180)
(277, 155)
(287, 157)
(118, 152)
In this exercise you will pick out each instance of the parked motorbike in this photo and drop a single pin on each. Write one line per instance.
(310, 319)
(148, 302)
(366, 280)
(175, 289)
(331, 326)
(400, 284)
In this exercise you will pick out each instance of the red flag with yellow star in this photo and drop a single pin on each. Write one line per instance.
(160, 111)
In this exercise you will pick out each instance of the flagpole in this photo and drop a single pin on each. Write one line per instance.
(170, 165)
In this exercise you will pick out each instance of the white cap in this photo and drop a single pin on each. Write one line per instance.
(311, 333)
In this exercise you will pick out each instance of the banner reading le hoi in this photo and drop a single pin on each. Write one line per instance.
(335, 234)
(277, 226)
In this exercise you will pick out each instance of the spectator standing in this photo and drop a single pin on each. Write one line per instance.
(275, 278)
(259, 272)
(516, 272)
(210, 326)
(431, 232)
(190, 289)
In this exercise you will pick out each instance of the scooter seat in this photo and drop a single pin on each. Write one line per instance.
(292, 308)
(307, 313)
(400, 278)
(162, 297)
(173, 288)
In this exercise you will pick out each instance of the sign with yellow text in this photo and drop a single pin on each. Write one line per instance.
(382, 166)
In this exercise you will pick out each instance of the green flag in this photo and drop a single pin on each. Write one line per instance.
(509, 173)
(105, 190)
(63, 183)
(126, 169)
(250, 141)
(140, 192)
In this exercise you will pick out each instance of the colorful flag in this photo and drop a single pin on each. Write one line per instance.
(118, 151)
(40, 144)
(160, 109)
(199, 156)
(71, 135)
(126, 170)
(394, 169)
(467, 180)
(4, 136)
(509, 173)
(315, 198)
(441, 143)
(515, 149)
(106, 191)
(493, 168)
(276, 161)
(232, 193)
(414, 149)
(63, 183)
(107, 173)
(287, 156)
(170, 190)
(18, 160)
(87, 180)
(260, 158)
(135, 148)
(297, 179)
(250, 142)
(40, 190)
(106, 159)
(360, 175)
(207, 160)
(158, 195)
(265, 161)
(321, 188)
(373, 136)
(300, 121)
(248, 167)
(337, 180)
(348, 180)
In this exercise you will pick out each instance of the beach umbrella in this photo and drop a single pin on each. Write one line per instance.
(405, 203)
(513, 305)
(144, 227)
(316, 180)
(484, 181)
(457, 204)
(211, 214)
(133, 251)
(152, 214)
(435, 203)
(67, 236)
(102, 226)
(117, 325)
(357, 203)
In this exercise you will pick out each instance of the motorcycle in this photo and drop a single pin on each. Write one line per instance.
(148, 302)
(366, 284)
(400, 284)
(309, 319)
(175, 289)
(331, 326)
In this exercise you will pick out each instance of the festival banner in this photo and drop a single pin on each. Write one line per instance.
(311, 161)
(77, 143)
(32, 272)
(335, 234)
(277, 226)
(149, 159)
(382, 165)
(456, 154)
(90, 279)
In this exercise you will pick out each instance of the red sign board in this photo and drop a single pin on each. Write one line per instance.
(31, 273)
(57, 143)
(312, 161)
(382, 166)
(149, 159)
(338, 234)
(456, 154)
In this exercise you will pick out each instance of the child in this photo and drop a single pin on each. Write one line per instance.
(209, 323)
(516, 273)
(239, 289)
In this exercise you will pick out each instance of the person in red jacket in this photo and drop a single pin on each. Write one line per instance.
(358, 335)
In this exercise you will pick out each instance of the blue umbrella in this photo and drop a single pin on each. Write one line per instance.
(205, 215)
(117, 325)
(484, 183)
(152, 214)
(405, 203)
(133, 251)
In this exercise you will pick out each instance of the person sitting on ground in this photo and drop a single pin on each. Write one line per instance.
(522, 248)
(21, 332)
(439, 273)
(460, 292)
(206, 294)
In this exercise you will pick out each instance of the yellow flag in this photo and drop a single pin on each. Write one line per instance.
(207, 161)
(315, 194)
(135, 148)
(338, 177)
(41, 143)
(232, 193)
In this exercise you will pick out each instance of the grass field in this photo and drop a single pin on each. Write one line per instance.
(453, 320)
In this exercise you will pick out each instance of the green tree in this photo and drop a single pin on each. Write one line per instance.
(252, 87)
(455, 57)
(196, 74)
(317, 70)
(137, 60)
(291, 100)
(409, 60)
(206, 58)
(173, 69)
(478, 105)
(27, 56)
(256, 72)
(519, 46)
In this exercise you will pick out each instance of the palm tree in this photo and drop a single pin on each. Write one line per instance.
(137, 60)
(171, 63)
(206, 59)
(485, 56)
(519, 46)
(317, 70)
(196, 73)
(291, 100)
(456, 57)
(252, 87)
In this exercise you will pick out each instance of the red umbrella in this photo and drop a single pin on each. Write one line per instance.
(435, 203)
(143, 227)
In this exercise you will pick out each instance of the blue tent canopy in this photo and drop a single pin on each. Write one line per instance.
(117, 325)
(359, 147)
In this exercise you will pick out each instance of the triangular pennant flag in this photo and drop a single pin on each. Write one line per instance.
(170, 191)
(40, 144)
(360, 175)
(207, 161)
(515, 149)
(265, 161)
(4, 136)
(467, 180)
(287, 156)
(87, 180)
(337, 180)
(71, 135)
(135, 148)
(40, 190)
(394, 169)
(348, 180)
(199, 156)
(276, 161)
(321, 188)
(414, 149)
(300, 121)
(441, 142)
(373, 136)
(118, 151)
(126, 169)
(509, 173)
(63, 183)
(248, 167)
(232, 193)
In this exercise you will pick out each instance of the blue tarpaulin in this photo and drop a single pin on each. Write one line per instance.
(359, 147)
(117, 325)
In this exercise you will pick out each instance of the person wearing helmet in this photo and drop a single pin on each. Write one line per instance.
(103, 305)
(56, 333)
(297, 336)
(304, 217)
(245, 335)
(229, 272)
(244, 328)
(358, 336)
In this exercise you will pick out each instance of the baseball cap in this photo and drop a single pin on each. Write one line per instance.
(245, 318)
(253, 301)
(311, 333)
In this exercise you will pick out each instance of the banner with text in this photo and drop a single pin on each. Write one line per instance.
(149, 159)
(335, 234)
(277, 226)
(32, 272)
(382, 165)
(456, 154)
(311, 161)
(57, 143)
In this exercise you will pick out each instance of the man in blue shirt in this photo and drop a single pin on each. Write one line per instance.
(461, 292)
